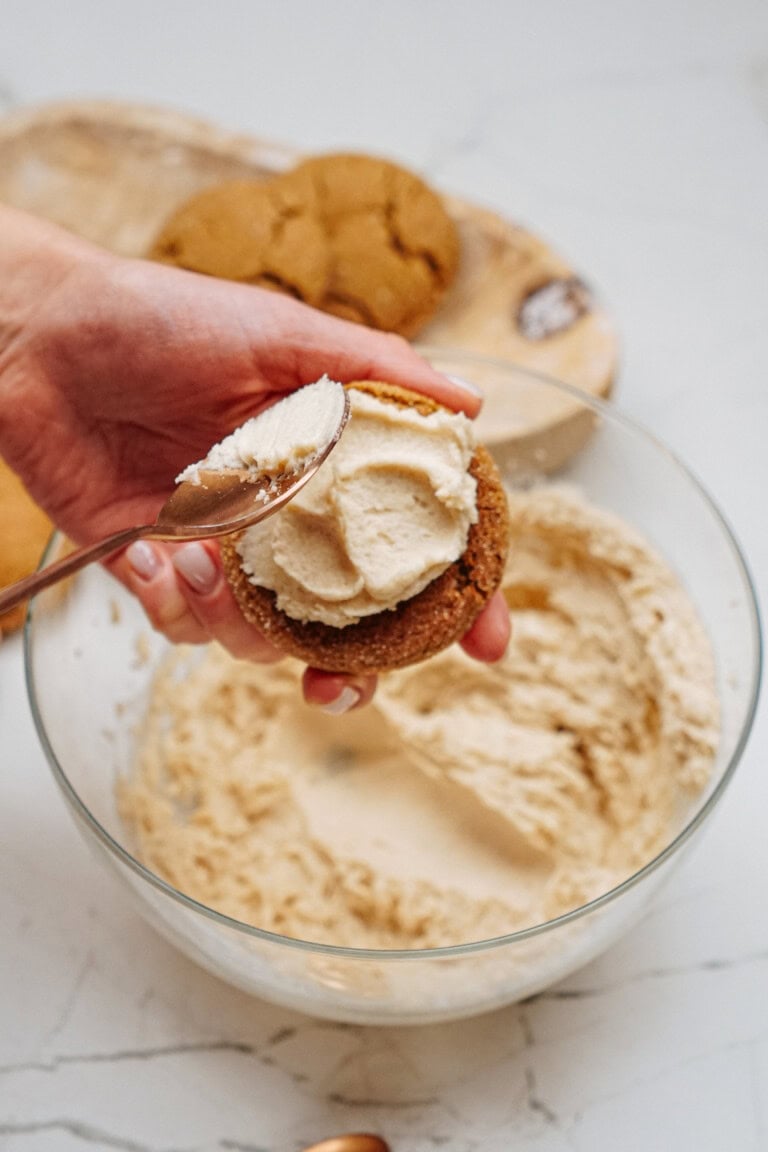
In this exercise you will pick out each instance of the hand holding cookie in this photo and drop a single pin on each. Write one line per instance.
(393, 549)
(140, 368)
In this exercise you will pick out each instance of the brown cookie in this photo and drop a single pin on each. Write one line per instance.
(393, 248)
(416, 628)
(243, 230)
(24, 531)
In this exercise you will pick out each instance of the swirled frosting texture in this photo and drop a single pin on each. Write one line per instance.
(387, 513)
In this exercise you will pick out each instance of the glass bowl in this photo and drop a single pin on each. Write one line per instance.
(90, 659)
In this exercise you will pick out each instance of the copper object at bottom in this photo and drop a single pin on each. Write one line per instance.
(353, 1142)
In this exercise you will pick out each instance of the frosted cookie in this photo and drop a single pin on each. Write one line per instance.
(392, 247)
(390, 552)
(243, 230)
(24, 531)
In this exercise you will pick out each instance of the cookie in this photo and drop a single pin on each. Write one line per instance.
(393, 248)
(24, 531)
(416, 628)
(244, 230)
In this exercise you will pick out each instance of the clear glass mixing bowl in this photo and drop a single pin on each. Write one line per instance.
(90, 659)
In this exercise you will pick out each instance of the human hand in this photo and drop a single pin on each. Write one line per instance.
(119, 373)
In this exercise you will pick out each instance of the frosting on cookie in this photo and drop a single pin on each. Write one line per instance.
(387, 513)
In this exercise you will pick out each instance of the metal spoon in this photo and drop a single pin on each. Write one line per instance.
(352, 1142)
(223, 502)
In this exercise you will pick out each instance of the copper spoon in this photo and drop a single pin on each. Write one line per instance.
(353, 1142)
(223, 502)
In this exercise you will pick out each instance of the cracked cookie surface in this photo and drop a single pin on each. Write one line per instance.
(392, 247)
(246, 231)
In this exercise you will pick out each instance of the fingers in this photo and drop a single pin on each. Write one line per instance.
(392, 359)
(210, 599)
(147, 571)
(337, 694)
(186, 596)
(488, 637)
(349, 351)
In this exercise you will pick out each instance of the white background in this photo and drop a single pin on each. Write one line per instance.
(635, 138)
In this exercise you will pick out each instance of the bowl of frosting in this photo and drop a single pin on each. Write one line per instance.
(478, 831)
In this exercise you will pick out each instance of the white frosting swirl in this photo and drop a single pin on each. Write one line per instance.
(386, 514)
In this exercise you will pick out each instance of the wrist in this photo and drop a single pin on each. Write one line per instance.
(36, 258)
(38, 261)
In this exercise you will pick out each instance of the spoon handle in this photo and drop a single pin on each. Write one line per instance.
(29, 585)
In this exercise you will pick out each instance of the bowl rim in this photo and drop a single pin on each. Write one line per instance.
(606, 410)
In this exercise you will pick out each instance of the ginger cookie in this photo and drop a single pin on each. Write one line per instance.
(413, 628)
(24, 531)
(392, 245)
(243, 230)
(353, 235)
(393, 248)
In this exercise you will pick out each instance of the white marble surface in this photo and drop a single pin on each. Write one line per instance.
(635, 136)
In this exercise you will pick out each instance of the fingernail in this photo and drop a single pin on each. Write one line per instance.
(195, 565)
(143, 560)
(466, 385)
(345, 700)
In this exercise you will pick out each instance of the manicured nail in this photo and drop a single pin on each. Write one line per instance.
(195, 565)
(467, 385)
(345, 700)
(143, 560)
